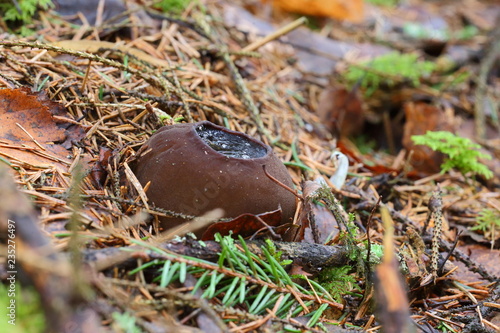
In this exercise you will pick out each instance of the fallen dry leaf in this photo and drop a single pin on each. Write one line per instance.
(31, 134)
(99, 169)
(420, 118)
(480, 255)
(245, 225)
(348, 148)
(341, 111)
(316, 223)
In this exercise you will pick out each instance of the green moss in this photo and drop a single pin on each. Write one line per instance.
(384, 70)
(173, 6)
(376, 253)
(125, 322)
(338, 281)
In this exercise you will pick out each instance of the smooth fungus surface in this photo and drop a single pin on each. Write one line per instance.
(229, 144)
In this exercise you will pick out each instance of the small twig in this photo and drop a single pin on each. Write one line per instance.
(281, 184)
(369, 204)
(10, 82)
(132, 203)
(325, 194)
(183, 23)
(86, 77)
(137, 185)
(241, 87)
(441, 267)
(275, 35)
(266, 227)
(31, 137)
(471, 265)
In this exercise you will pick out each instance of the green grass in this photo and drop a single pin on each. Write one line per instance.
(241, 278)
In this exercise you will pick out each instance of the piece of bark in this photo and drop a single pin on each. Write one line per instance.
(310, 256)
(341, 111)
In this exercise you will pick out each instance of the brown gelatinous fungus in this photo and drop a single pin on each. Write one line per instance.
(196, 167)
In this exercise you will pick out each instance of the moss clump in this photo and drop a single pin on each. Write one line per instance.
(383, 70)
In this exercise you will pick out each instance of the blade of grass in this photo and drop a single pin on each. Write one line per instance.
(258, 299)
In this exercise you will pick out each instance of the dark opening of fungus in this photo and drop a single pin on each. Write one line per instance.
(230, 144)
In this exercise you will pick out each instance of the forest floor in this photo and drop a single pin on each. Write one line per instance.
(79, 100)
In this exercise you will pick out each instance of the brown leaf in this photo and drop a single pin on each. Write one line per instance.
(245, 225)
(33, 131)
(320, 225)
(99, 169)
(480, 255)
(316, 223)
(341, 111)
(420, 118)
(309, 188)
(349, 149)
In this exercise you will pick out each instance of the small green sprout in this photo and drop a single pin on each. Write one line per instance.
(277, 254)
(379, 71)
(376, 252)
(462, 153)
(488, 222)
